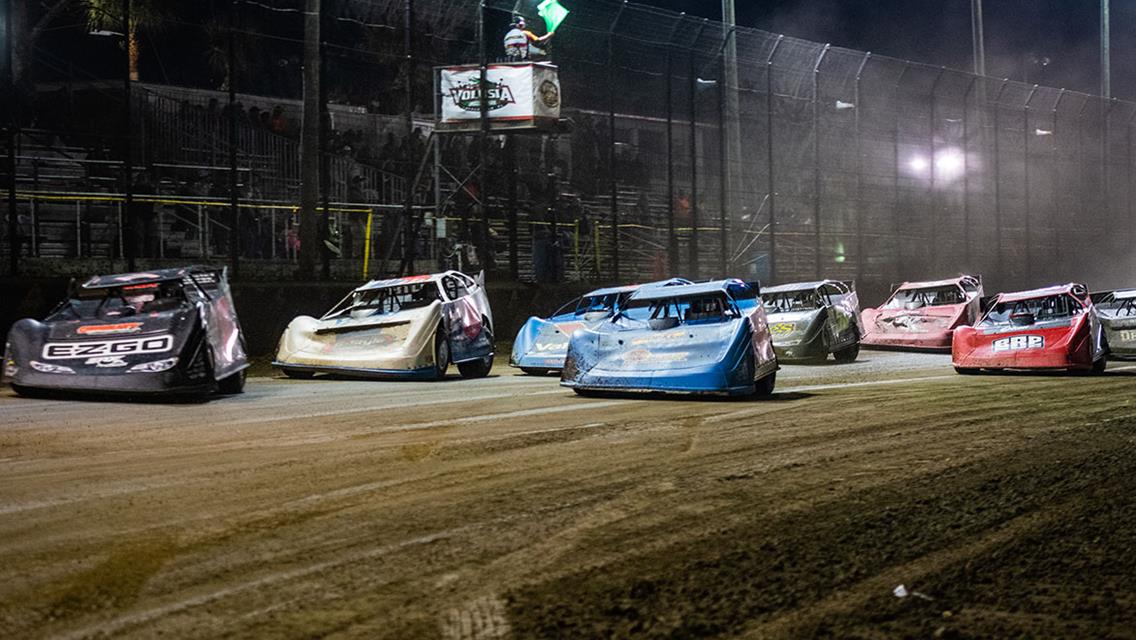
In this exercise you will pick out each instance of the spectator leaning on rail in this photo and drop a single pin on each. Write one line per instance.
(519, 42)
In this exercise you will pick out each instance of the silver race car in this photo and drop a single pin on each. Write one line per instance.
(1117, 310)
(411, 327)
(809, 320)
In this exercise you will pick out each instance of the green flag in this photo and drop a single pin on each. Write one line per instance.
(553, 13)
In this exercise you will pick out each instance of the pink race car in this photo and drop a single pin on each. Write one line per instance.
(923, 315)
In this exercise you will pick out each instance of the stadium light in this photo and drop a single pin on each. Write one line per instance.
(918, 164)
(949, 164)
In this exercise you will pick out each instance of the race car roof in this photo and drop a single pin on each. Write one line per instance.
(632, 287)
(662, 293)
(1054, 290)
(798, 286)
(143, 277)
(932, 283)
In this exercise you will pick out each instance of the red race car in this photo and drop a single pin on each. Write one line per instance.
(922, 315)
(1054, 328)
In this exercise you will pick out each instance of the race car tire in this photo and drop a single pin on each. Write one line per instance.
(847, 354)
(441, 354)
(299, 375)
(764, 388)
(233, 384)
(481, 367)
(28, 392)
(476, 368)
(966, 371)
(1099, 365)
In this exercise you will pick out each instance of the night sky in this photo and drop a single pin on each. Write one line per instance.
(938, 32)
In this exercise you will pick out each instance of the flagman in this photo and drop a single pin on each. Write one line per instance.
(519, 42)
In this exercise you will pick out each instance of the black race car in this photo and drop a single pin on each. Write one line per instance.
(168, 331)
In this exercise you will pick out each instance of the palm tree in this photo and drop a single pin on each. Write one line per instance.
(144, 14)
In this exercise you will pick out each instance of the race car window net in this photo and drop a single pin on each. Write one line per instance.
(119, 302)
(378, 302)
(786, 301)
(1045, 309)
(699, 309)
(926, 297)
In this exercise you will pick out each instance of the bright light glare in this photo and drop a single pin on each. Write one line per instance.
(918, 164)
(949, 164)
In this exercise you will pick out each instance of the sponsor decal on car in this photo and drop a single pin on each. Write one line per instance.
(107, 348)
(660, 339)
(551, 346)
(103, 329)
(106, 362)
(1128, 336)
(782, 328)
(1019, 343)
(643, 355)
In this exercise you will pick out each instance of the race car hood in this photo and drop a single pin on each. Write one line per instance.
(921, 320)
(101, 347)
(1053, 344)
(792, 327)
(634, 352)
(544, 343)
(391, 341)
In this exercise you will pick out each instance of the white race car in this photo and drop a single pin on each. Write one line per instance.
(411, 327)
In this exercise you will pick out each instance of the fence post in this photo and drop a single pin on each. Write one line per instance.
(932, 200)
(127, 143)
(613, 179)
(1055, 206)
(897, 227)
(859, 206)
(234, 178)
(410, 228)
(998, 261)
(12, 134)
(692, 80)
(769, 158)
(816, 161)
(966, 173)
(672, 239)
(1026, 133)
(724, 164)
(511, 160)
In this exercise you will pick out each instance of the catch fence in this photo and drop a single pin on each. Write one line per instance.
(690, 149)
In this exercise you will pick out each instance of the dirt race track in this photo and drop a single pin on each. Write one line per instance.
(510, 508)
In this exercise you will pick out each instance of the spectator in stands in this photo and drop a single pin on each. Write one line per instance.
(279, 123)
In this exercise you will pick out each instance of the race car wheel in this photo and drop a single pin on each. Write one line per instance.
(764, 388)
(233, 384)
(847, 354)
(299, 375)
(965, 371)
(476, 368)
(1099, 365)
(441, 354)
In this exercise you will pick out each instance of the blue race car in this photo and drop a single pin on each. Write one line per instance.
(706, 338)
(542, 343)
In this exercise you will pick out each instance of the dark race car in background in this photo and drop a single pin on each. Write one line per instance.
(1117, 311)
(705, 338)
(809, 320)
(168, 331)
(923, 315)
(542, 343)
(1055, 328)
